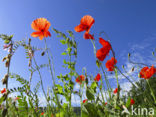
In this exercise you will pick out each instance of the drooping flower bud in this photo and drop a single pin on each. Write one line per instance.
(42, 54)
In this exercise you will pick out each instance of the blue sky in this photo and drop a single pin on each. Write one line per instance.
(129, 24)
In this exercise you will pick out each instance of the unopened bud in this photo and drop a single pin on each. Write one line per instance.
(42, 54)
(129, 55)
(132, 69)
(153, 53)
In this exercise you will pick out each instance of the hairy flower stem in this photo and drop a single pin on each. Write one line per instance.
(51, 72)
(37, 67)
(126, 77)
(107, 82)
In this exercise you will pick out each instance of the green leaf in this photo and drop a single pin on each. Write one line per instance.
(128, 102)
(93, 86)
(63, 42)
(91, 109)
(70, 33)
(90, 94)
(63, 53)
(1, 99)
(6, 41)
(59, 89)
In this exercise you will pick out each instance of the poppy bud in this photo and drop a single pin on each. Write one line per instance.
(86, 80)
(153, 53)
(129, 55)
(98, 63)
(132, 69)
(43, 53)
(5, 79)
(29, 41)
(123, 66)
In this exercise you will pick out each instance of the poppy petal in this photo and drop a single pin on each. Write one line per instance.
(88, 36)
(79, 28)
(87, 20)
(35, 34)
(104, 43)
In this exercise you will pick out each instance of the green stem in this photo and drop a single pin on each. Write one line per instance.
(37, 67)
(52, 75)
(151, 90)
(107, 82)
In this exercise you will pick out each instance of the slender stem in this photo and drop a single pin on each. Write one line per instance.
(52, 75)
(151, 90)
(126, 77)
(107, 82)
(49, 62)
(37, 67)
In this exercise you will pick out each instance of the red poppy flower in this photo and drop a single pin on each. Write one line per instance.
(42, 113)
(85, 24)
(41, 26)
(110, 64)
(116, 90)
(80, 79)
(104, 51)
(147, 72)
(132, 101)
(98, 77)
(3, 90)
(105, 103)
(84, 100)
(88, 36)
